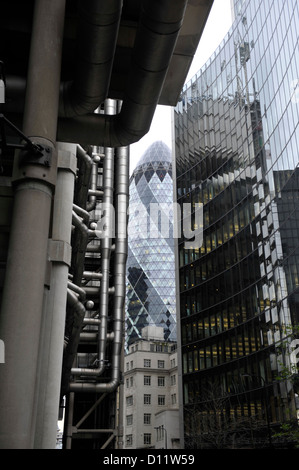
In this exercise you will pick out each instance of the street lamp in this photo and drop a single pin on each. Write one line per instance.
(265, 393)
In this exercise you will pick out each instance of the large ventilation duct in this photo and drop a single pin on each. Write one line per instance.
(97, 34)
(156, 37)
(158, 30)
(98, 25)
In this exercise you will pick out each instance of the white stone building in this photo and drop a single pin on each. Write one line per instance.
(150, 408)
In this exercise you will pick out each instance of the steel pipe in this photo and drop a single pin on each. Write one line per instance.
(97, 35)
(105, 247)
(158, 30)
(93, 193)
(92, 336)
(98, 25)
(89, 275)
(53, 339)
(155, 41)
(78, 290)
(159, 27)
(121, 250)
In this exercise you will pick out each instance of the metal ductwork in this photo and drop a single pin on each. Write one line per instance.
(117, 197)
(97, 30)
(106, 243)
(158, 30)
(157, 33)
(120, 258)
(98, 24)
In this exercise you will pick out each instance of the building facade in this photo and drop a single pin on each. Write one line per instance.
(150, 265)
(150, 416)
(236, 146)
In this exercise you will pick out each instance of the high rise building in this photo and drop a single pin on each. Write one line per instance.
(150, 265)
(237, 140)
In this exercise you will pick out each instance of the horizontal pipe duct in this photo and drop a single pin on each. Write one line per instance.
(157, 34)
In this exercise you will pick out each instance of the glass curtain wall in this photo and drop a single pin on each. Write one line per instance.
(150, 265)
(236, 147)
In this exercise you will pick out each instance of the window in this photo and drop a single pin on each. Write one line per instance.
(161, 400)
(161, 364)
(147, 399)
(129, 420)
(160, 433)
(129, 382)
(146, 362)
(129, 440)
(172, 380)
(147, 380)
(161, 381)
(129, 400)
(173, 399)
(147, 418)
(147, 438)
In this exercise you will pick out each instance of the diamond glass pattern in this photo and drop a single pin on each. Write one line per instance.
(150, 264)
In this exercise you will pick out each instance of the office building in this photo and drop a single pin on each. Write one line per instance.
(151, 418)
(79, 83)
(236, 150)
(150, 263)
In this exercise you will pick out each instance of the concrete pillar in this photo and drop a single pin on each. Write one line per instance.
(23, 294)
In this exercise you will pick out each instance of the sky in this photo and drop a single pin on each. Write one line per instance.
(218, 24)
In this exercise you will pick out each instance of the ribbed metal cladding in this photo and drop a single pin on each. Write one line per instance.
(160, 24)
(96, 42)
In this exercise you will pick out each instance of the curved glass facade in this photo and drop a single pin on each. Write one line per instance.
(237, 141)
(150, 264)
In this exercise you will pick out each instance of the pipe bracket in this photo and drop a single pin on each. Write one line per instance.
(59, 251)
(41, 155)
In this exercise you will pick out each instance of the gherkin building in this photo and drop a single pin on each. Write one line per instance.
(150, 264)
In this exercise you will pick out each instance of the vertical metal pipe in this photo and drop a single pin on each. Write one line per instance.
(54, 322)
(105, 250)
(43, 80)
(25, 279)
(68, 425)
(106, 241)
(121, 250)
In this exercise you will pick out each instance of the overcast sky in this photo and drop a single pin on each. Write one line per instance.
(217, 26)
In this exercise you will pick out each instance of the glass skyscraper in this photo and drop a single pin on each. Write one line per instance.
(236, 148)
(150, 265)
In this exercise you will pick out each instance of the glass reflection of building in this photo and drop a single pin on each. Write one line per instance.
(150, 264)
(237, 141)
